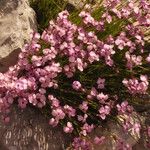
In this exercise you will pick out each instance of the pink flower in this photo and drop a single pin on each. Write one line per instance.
(124, 107)
(93, 93)
(87, 129)
(70, 111)
(46, 51)
(102, 98)
(35, 36)
(37, 61)
(63, 46)
(136, 10)
(82, 118)
(22, 102)
(84, 106)
(63, 15)
(42, 91)
(87, 18)
(109, 61)
(68, 128)
(104, 111)
(81, 143)
(53, 122)
(55, 103)
(110, 3)
(101, 83)
(76, 85)
(99, 140)
(6, 119)
(136, 128)
(80, 64)
(32, 99)
(10, 100)
(93, 57)
(136, 87)
(117, 13)
(127, 124)
(41, 100)
(21, 84)
(51, 97)
(122, 145)
(133, 60)
(58, 113)
(107, 17)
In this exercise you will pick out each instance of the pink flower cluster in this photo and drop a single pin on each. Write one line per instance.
(104, 111)
(124, 108)
(68, 128)
(122, 145)
(127, 112)
(133, 60)
(80, 143)
(99, 140)
(136, 87)
(90, 21)
(101, 83)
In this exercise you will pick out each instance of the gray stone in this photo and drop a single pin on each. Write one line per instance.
(114, 130)
(29, 130)
(17, 21)
(81, 3)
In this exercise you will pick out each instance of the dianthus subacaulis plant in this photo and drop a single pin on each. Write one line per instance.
(83, 72)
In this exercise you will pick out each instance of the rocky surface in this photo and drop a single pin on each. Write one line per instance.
(29, 130)
(81, 3)
(112, 130)
(17, 21)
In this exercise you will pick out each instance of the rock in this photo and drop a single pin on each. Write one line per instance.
(81, 3)
(77, 3)
(17, 21)
(29, 130)
(114, 130)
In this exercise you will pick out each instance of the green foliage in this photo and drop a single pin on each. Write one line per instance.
(47, 10)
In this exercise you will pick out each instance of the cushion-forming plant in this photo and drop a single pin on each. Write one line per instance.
(83, 72)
